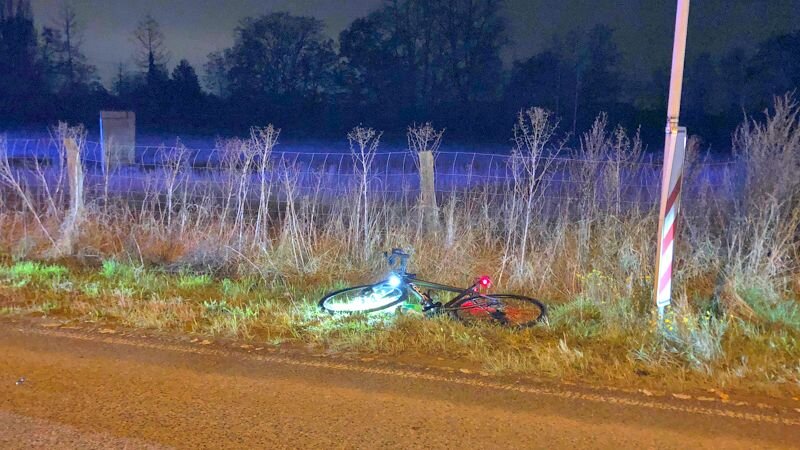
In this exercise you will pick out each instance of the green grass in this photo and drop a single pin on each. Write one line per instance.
(190, 281)
(596, 336)
(113, 269)
(33, 271)
(771, 307)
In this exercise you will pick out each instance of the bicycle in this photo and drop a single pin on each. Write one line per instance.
(401, 288)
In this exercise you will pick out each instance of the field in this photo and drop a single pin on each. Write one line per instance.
(241, 241)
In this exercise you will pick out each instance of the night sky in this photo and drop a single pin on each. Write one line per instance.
(193, 28)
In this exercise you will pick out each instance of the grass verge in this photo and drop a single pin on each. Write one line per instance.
(593, 337)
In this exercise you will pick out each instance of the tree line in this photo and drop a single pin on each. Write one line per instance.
(408, 61)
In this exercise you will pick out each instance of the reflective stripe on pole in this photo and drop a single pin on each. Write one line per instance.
(674, 148)
(670, 204)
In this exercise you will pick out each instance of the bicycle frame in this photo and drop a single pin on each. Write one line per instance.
(399, 277)
(415, 285)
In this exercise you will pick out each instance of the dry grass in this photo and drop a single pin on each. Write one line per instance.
(247, 256)
(595, 337)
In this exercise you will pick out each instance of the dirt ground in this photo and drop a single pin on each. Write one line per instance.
(68, 388)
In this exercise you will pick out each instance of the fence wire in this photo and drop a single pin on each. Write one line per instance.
(220, 174)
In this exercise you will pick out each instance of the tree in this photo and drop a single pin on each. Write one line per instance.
(425, 57)
(62, 53)
(186, 106)
(591, 78)
(736, 82)
(280, 65)
(75, 68)
(474, 33)
(23, 93)
(280, 55)
(121, 86)
(49, 47)
(602, 80)
(536, 82)
(701, 81)
(151, 54)
(217, 70)
(151, 99)
(184, 81)
(10, 9)
(775, 68)
(376, 73)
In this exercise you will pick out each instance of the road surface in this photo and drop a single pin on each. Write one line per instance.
(62, 388)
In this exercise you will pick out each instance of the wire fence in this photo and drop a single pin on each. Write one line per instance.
(219, 173)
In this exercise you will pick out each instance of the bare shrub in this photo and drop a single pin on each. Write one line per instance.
(770, 151)
(176, 163)
(533, 153)
(588, 166)
(9, 177)
(624, 158)
(263, 141)
(295, 235)
(363, 146)
(424, 138)
(763, 241)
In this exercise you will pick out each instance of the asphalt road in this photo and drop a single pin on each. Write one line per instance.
(92, 390)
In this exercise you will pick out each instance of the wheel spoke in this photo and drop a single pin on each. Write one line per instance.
(362, 299)
(505, 309)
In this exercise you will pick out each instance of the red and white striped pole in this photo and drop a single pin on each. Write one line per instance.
(674, 149)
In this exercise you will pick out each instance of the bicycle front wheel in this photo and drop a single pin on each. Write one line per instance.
(363, 299)
(509, 310)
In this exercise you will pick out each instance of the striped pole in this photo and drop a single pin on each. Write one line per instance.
(674, 149)
(670, 207)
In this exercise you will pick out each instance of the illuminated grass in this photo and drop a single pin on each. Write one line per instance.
(587, 338)
(33, 271)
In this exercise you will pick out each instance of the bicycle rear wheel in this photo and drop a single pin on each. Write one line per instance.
(363, 299)
(509, 310)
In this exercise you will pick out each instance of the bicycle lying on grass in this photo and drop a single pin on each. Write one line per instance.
(403, 290)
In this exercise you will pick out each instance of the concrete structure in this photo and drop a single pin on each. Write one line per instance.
(118, 136)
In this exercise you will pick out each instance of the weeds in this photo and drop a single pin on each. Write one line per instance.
(245, 250)
(189, 281)
(24, 272)
(593, 336)
(771, 307)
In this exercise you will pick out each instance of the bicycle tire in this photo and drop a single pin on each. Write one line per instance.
(328, 304)
(509, 310)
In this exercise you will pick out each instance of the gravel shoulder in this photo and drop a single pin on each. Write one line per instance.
(110, 390)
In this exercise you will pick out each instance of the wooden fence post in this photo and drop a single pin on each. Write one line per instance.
(75, 173)
(427, 193)
(71, 225)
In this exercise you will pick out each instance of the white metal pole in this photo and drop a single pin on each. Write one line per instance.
(678, 57)
(674, 147)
